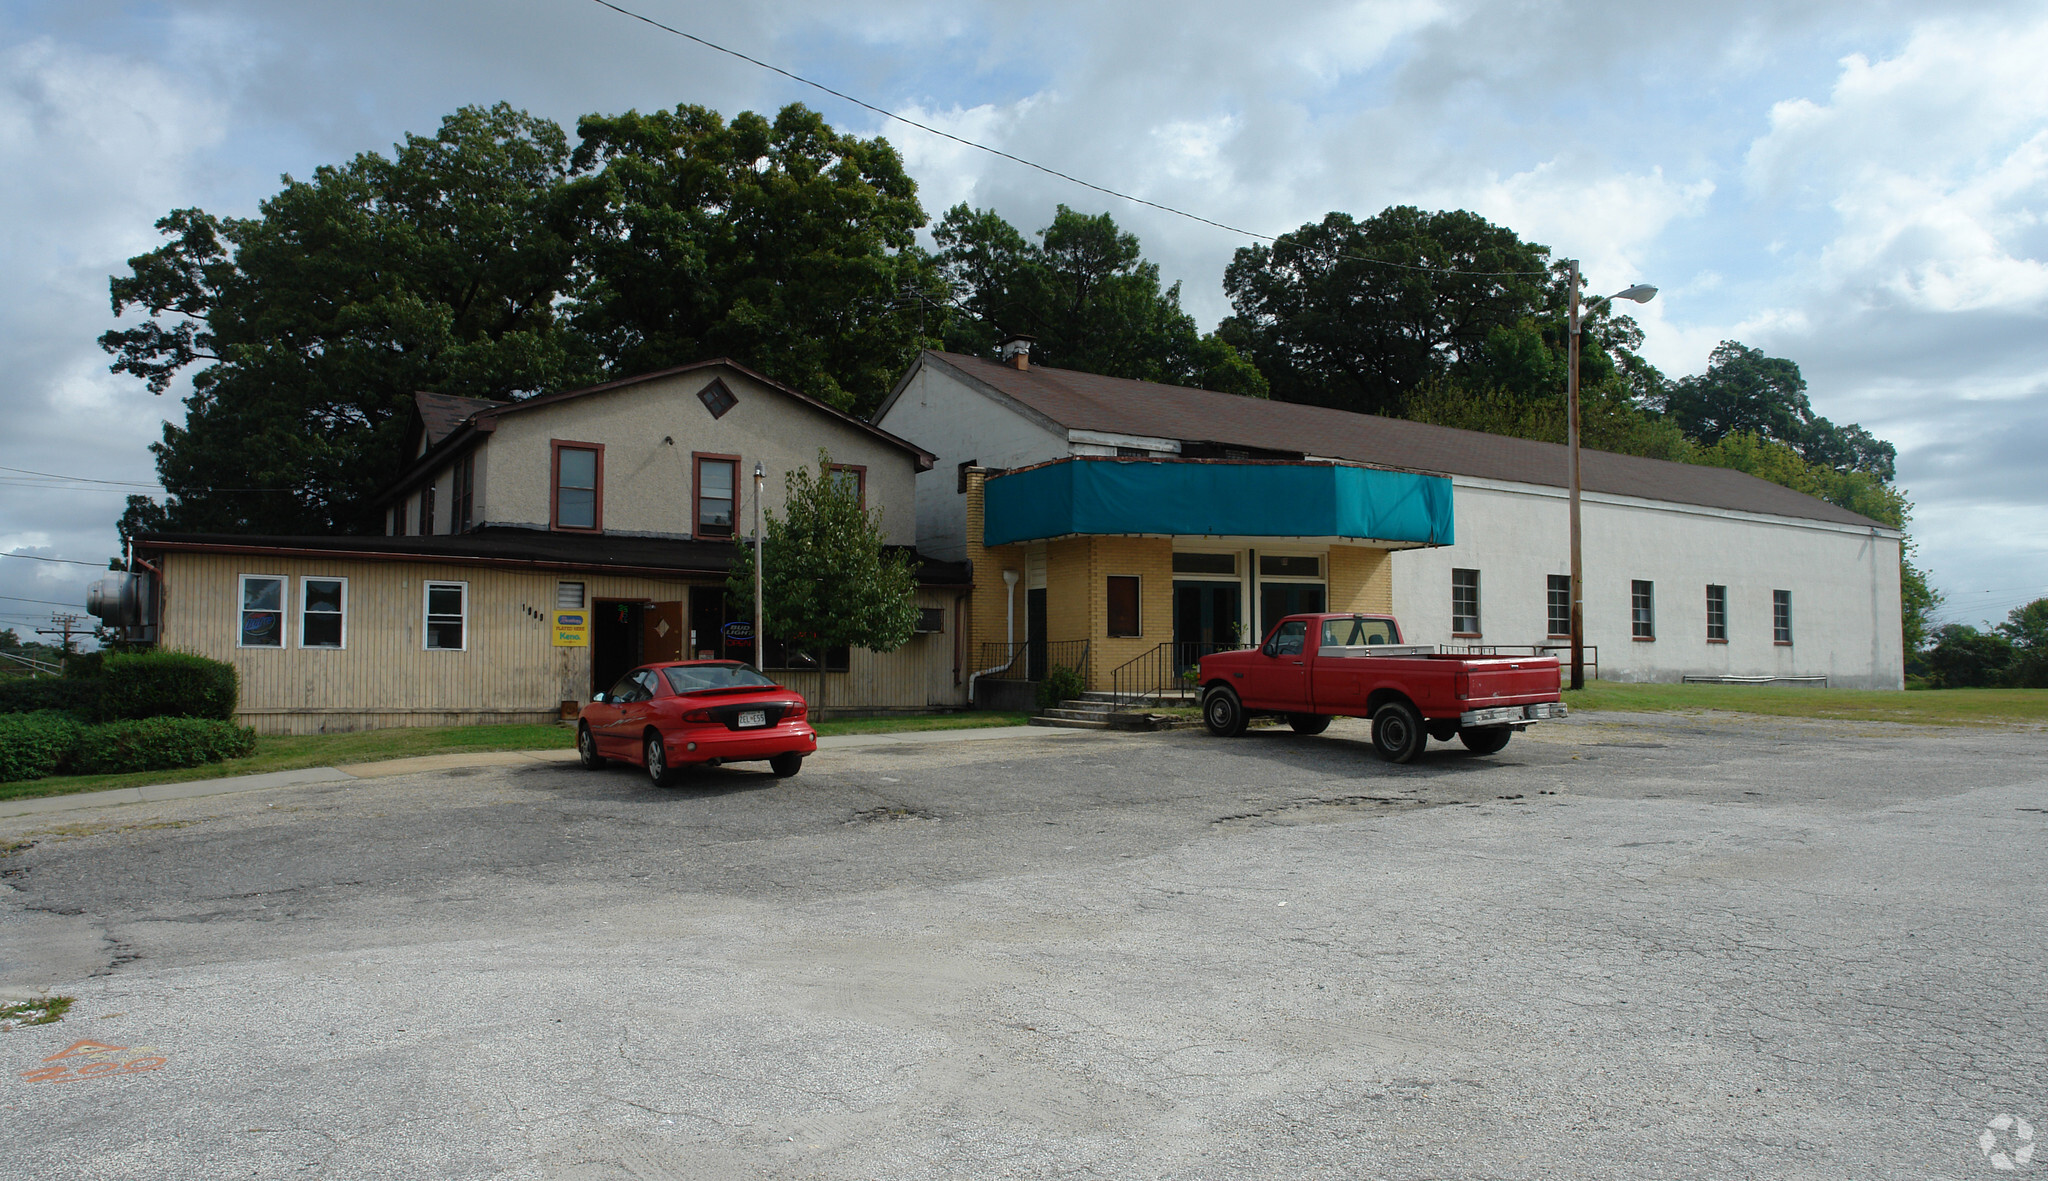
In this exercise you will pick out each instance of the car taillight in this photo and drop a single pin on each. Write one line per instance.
(696, 715)
(795, 712)
(1462, 684)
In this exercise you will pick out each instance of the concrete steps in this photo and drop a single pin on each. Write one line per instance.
(1096, 710)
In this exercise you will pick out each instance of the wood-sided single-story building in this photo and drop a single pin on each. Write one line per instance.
(536, 550)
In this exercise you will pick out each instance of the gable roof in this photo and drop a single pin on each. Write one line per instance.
(480, 421)
(440, 414)
(1116, 405)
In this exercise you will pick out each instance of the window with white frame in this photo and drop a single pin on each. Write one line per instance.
(447, 616)
(1558, 601)
(1465, 602)
(262, 612)
(323, 613)
(1642, 610)
(1781, 616)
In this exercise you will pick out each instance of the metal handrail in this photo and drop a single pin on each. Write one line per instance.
(1011, 661)
(1563, 652)
(1154, 672)
(41, 666)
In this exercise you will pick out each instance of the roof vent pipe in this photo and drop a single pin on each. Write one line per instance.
(1016, 349)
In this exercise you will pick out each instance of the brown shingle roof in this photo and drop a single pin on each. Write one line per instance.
(442, 413)
(1090, 402)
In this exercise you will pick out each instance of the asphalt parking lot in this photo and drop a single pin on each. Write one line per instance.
(1628, 946)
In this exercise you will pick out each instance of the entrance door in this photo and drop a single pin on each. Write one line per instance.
(1205, 618)
(1034, 634)
(614, 642)
(707, 624)
(662, 633)
(1278, 599)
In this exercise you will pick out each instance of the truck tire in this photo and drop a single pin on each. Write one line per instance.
(1485, 740)
(1442, 731)
(1223, 713)
(1308, 723)
(1397, 733)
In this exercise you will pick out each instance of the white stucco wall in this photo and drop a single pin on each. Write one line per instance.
(1844, 582)
(648, 488)
(955, 422)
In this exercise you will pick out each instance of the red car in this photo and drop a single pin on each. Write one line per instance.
(668, 717)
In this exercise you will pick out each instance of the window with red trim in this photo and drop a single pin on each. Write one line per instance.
(578, 498)
(718, 499)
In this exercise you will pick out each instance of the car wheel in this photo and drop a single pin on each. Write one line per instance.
(1308, 723)
(786, 765)
(1485, 740)
(658, 769)
(1223, 713)
(1397, 734)
(586, 749)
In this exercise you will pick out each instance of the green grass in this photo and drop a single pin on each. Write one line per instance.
(293, 752)
(1925, 707)
(40, 1011)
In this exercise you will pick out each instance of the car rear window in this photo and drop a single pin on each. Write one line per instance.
(1357, 630)
(695, 678)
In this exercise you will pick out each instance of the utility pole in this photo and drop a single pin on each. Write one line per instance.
(1578, 680)
(760, 640)
(67, 624)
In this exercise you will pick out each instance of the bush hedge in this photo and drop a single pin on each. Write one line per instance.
(158, 744)
(27, 695)
(160, 684)
(34, 745)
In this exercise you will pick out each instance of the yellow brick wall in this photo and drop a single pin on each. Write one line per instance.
(1151, 559)
(986, 610)
(1361, 580)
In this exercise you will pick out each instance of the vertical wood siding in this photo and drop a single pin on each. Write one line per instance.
(509, 672)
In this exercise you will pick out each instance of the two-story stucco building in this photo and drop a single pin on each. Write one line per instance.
(536, 550)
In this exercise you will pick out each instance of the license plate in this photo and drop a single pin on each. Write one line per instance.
(753, 717)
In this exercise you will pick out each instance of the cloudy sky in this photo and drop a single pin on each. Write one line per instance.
(1860, 186)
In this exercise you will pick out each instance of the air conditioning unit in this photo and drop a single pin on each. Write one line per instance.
(930, 620)
(127, 602)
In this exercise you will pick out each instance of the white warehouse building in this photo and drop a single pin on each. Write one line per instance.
(1689, 570)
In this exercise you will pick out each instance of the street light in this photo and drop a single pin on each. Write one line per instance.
(760, 641)
(1640, 293)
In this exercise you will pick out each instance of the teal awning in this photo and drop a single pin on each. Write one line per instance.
(1188, 497)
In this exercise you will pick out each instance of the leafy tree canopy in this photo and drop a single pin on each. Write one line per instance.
(785, 245)
(826, 575)
(1745, 392)
(1088, 296)
(1363, 315)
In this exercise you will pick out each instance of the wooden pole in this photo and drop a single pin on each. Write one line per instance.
(1578, 569)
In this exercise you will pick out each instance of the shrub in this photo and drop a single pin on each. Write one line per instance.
(33, 745)
(27, 695)
(166, 685)
(158, 744)
(1060, 684)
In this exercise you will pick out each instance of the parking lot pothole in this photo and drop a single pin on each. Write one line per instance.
(888, 813)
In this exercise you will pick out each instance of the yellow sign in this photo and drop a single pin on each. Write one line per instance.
(572, 629)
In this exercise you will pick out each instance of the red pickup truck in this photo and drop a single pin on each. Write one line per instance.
(1316, 667)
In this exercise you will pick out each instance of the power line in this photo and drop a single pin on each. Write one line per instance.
(45, 602)
(1016, 159)
(40, 558)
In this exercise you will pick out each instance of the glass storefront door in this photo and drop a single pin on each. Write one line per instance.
(1205, 619)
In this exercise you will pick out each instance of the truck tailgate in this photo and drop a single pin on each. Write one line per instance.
(1505, 680)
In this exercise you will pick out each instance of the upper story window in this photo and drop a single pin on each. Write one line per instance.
(852, 478)
(716, 398)
(462, 513)
(262, 612)
(717, 494)
(427, 510)
(1465, 602)
(579, 486)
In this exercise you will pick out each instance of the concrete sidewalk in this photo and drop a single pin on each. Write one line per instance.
(348, 772)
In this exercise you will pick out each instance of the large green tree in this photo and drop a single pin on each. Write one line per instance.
(786, 245)
(1087, 294)
(306, 328)
(1744, 391)
(1363, 315)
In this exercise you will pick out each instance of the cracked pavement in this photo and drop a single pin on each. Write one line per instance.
(1627, 946)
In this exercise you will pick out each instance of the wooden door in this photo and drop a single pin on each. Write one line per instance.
(664, 633)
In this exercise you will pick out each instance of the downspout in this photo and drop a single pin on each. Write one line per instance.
(1009, 632)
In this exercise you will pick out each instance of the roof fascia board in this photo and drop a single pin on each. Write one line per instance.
(428, 464)
(1111, 439)
(1678, 506)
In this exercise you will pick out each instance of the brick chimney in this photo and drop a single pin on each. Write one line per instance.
(1016, 350)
